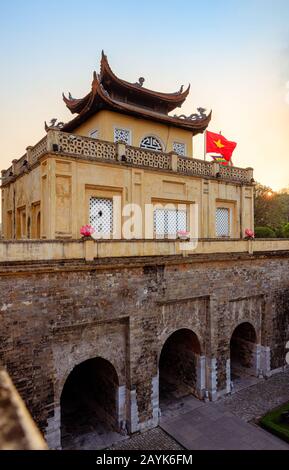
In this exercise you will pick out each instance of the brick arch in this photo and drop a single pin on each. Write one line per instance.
(81, 360)
(168, 334)
(90, 396)
(179, 365)
(253, 324)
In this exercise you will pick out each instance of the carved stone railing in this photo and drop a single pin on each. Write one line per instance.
(233, 173)
(85, 146)
(79, 146)
(38, 150)
(191, 166)
(139, 157)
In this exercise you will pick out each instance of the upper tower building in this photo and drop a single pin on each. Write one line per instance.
(127, 141)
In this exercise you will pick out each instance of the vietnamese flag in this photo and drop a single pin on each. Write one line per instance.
(217, 143)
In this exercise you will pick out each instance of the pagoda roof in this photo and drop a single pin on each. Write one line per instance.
(111, 93)
(168, 101)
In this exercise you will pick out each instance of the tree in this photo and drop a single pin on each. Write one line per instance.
(271, 208)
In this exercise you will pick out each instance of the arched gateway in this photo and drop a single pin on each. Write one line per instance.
(244, 353)
(90, 405)
(180, 367)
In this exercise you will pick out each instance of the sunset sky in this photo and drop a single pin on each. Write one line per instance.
(235, 54)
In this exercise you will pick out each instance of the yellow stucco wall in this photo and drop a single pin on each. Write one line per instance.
(63, 188)
(67, 186)
(22, 197)
(106, 121)
(52, 200)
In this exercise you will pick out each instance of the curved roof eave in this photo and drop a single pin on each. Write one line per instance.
(99, 98)
(176, 97)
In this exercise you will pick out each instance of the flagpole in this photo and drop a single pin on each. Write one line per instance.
(205, 145)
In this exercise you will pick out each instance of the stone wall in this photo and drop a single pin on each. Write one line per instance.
(55, 315)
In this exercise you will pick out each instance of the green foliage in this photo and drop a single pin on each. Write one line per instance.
(271, 421)
(271, 209)
(285, 230)
(264, 232)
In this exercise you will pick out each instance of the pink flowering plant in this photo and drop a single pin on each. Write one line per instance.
(249, 234)
(183, 234)
(86, 231)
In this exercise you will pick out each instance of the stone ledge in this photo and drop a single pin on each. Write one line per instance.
(17, 429)
(78, 265)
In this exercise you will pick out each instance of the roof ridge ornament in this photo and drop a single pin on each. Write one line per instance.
(53, 124)
(140, 82)
(201, 114)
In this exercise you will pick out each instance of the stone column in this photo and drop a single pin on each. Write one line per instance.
(250, 173)
(265, 360)
(52, 140)
(216, 168)
(257, 359)
(201, 376)
(14, 166)
(228, 376)
(174, 161)
(120, 151)
(211, 372)
(155, 400)
(53, 430)
(133, 422)
(121, 407)
(29, 154)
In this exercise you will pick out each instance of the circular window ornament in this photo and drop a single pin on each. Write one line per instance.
(151, 143)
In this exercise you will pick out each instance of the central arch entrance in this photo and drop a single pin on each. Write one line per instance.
(243, 355)
(89, 406)
(179, 367)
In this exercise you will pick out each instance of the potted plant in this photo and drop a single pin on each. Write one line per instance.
(249, 234)
(86, 232)
(183, 235)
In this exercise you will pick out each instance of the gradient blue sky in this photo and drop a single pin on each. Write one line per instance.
(234, 53)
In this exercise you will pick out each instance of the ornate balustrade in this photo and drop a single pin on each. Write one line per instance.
(74, 145)
(139, 157)
(192, 166)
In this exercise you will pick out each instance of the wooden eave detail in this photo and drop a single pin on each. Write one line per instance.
(99, 99)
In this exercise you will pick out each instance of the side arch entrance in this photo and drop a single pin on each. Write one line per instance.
(91, 408)
(181, 367)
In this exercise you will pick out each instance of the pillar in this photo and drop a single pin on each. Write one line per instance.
(257, 360)
(201, 376)
(121, 407)
(211, 372)
(265, 360)
(52, 433)
(228, 376)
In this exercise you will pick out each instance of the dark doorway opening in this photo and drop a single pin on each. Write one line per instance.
(89, 406)
(243, 355)
(178, 367)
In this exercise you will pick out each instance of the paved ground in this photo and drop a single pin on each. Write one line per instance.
(255, 401)
(193, 424)
(210, 426)
(156, 439)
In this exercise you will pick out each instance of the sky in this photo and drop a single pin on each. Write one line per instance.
(235, 55)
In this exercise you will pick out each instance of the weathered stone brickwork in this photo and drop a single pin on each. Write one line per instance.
(56, 315)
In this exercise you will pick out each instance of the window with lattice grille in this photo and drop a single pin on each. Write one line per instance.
(222, 222)
(167, 222)
(101, 215)
(151, 143)
(179, 148)
(122, 135)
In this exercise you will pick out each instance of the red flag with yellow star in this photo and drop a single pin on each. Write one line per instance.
(217, 143)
